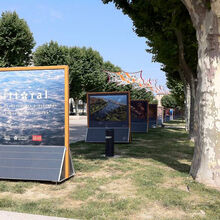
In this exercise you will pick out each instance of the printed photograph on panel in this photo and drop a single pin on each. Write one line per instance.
(139, 110)
(32, 107)
(108, 108)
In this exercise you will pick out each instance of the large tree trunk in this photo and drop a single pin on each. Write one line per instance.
(192, 120)
(206, 160)
(187, 106)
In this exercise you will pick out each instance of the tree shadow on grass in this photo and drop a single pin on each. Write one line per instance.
(167, 146)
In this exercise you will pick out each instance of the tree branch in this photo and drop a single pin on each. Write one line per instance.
(188, 73)
(197, 10)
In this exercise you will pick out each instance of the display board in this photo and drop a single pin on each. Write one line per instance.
(139, 116)
(108, 110)
(34, 109)
(152, 115)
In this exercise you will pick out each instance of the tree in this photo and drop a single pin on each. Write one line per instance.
(142, 94)
(169, 101)
(176, 88)
(205, 16)
(94, 79)
(50, 54)
(16, 41)
(108, 66)
(75, 62)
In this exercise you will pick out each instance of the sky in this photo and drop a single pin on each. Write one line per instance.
(88, 23)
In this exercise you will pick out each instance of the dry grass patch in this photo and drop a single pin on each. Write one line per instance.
(158, 211)
(44, 191)
(151, 162)
(175, 183)
(69, 203)
(123, 188)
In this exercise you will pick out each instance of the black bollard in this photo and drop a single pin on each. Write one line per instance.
(109, 142)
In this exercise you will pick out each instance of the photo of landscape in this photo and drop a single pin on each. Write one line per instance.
(108, 107)
(32, 104)
(139, 110)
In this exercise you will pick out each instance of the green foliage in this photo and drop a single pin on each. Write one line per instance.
(108, 66)
(75, 62)
(50, 54)
(142, 94)
(168, 101)
(94, 79)
(16, 41)
(154, 101)
(177, 89)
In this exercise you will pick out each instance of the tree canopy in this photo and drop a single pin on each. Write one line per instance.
(16, 41)
(169, 101)
(163, 24)
(50, 54)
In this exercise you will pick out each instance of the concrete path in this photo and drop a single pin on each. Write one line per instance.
(78, 127)
(4, 215)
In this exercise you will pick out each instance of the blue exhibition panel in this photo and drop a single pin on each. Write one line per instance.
(121, 135)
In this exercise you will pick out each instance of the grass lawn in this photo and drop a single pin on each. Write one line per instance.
(148, 180)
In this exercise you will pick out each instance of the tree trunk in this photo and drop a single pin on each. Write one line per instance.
(189, 79)
(71, 107)
(192, 120)
(83, 112)
(76, 106)
(187, 107)
(206, 160)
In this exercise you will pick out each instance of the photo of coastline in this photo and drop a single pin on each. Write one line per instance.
(108, 108)
(32, 107)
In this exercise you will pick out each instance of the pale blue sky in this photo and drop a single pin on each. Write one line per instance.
(88, 23)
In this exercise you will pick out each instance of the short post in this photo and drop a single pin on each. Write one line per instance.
(109, 142)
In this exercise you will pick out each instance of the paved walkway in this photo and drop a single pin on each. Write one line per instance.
(78, 127)
(4, 215)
